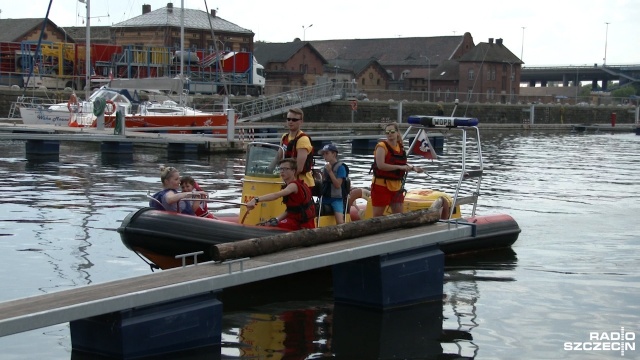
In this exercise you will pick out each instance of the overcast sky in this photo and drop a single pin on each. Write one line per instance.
(556, 32)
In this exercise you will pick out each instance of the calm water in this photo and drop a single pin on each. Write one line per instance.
(574, 269)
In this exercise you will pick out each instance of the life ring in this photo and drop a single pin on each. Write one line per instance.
(109, 104)
(72, 104)
(354, 105)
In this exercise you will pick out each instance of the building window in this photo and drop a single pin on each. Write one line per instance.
(362, 81)
(470, 75)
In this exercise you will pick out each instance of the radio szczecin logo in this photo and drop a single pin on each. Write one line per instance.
(605, 341)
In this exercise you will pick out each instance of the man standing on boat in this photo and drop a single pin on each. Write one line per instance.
(296, 196)
(297, 145)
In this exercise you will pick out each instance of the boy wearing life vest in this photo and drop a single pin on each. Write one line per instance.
(389, 170)
(296, 196)
(333, 176)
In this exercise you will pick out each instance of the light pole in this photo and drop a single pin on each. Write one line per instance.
(522, 48)
(87, 57)
(304, 32)
(428, 77)
(510, 80)
(606, 36)
(577, 84)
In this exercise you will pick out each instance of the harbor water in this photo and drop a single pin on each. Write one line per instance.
(566, 289)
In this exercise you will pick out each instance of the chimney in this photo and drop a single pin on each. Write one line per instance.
(499, 41)
(169, 7)
(213, 12)
(490, 40)
(146, 9)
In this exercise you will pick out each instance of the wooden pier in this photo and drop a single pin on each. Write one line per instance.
(399, 248)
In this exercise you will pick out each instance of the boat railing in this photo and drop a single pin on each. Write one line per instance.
(29, 102)
(461, 155)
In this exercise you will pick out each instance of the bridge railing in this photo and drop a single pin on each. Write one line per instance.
(279, 103)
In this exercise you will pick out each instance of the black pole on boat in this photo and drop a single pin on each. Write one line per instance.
(35, 55)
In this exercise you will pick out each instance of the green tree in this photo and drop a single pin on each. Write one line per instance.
(623, 92)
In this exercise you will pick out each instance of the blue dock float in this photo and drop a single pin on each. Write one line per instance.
(169, 327)
(42, 147)
(391, 280)
(182, 148)
(116, 147)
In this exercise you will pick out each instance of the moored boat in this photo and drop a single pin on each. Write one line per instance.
(160, 236)
(147, 114)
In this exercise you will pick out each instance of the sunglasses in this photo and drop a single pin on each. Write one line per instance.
(293, 119)
(389, 132)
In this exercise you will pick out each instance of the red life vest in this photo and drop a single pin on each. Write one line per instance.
(291, 151)
(300, 207)
(392, 158)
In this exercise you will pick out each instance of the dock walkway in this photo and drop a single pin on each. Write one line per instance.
(65, 306)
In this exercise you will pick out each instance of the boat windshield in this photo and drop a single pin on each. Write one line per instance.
(112, 95)
(262, 160)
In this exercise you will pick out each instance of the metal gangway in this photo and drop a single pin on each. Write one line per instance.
(266, 107)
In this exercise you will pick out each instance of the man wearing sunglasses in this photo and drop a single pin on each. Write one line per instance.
(297, 145)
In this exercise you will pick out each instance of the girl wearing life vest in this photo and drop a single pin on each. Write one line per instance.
(296, 196)
(189, 185)
(169, 197)
(389, 170)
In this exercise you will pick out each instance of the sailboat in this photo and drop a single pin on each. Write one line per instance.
(166, 114)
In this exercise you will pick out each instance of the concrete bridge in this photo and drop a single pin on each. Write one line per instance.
(574, 74)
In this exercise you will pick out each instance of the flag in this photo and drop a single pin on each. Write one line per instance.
(423, 147)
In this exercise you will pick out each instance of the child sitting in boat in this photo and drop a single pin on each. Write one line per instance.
(334, 177)
(296, 196)
(189, 185)
(168, 198)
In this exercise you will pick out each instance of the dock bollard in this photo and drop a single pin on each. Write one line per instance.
(119, 127)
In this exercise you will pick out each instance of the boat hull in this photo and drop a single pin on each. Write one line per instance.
(157, 234)
(43, 116)
(160, 236)
(491, 232)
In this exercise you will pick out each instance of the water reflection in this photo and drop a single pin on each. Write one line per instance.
(58, 221)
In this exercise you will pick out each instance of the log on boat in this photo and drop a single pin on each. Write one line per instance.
(310, 237)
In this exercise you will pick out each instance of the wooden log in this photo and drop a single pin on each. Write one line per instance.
(310, 237)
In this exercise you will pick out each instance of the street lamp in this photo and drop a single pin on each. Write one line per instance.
(87, 75)
(428, 77)
(304, 32)
(577, 84)
(605, 45)
(522, 48)
(510, 81)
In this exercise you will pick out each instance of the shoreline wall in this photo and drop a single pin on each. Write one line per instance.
(382, 111)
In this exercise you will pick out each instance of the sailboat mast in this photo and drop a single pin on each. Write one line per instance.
(182, 40)
(87, 56)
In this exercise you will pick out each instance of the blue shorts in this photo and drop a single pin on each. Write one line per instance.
(336, 204)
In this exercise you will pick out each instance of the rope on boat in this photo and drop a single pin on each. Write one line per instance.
(151, 265)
